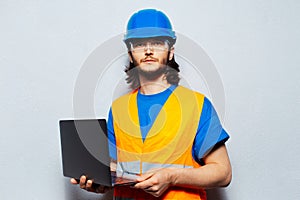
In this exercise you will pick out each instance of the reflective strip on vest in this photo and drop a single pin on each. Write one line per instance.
(134, 166)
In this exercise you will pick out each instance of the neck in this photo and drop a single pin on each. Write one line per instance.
(153, 86)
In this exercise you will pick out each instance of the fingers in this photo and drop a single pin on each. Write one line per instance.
(89, 185)
(145, 182)
(82, 182)
(73, 181)
(153, 190)
(154, 183)
(144, 177)
(86, 184)
(148, 174)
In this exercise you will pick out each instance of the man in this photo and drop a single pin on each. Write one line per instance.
(169, 135)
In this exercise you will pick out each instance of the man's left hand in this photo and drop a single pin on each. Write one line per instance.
(155, 182)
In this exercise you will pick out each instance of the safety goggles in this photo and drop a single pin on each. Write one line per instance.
(154, 45)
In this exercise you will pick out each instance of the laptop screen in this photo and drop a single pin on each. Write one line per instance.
(84, 148)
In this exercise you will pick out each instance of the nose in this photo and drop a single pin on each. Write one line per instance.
(148, 49)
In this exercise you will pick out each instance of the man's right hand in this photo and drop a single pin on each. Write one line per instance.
(88, 185)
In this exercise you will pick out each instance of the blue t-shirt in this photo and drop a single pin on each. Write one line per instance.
(209, 132)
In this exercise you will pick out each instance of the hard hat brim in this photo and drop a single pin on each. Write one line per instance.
(149, 32)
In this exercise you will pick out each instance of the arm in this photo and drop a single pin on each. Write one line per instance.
(215, 173)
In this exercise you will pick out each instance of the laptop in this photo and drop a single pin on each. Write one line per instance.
(84, 147)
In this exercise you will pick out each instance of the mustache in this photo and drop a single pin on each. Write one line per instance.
(149, 58)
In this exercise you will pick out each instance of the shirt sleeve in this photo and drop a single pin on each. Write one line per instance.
(111, 136)
(209, 133)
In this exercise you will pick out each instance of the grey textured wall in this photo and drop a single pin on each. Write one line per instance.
(253, 44)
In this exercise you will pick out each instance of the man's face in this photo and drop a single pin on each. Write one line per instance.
(150, 56)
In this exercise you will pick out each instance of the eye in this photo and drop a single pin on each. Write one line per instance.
(139, 45)
(157, 43)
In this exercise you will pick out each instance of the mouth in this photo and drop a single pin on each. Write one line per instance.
(149, 60)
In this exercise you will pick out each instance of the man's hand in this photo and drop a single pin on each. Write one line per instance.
(155, 182)
(88, 185)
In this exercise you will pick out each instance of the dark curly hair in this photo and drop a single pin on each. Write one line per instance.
(171, 73)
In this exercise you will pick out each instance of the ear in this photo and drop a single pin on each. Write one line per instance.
(171, 54)
(130, 57)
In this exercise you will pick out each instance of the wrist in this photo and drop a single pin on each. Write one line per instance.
(173, 174)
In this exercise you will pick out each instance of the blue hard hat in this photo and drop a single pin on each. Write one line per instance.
(149, 23)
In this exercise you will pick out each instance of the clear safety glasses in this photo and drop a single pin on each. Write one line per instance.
(154, 45)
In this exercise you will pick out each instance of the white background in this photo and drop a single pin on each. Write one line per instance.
(254, 45)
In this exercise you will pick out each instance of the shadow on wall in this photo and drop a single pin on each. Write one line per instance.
(216, 194)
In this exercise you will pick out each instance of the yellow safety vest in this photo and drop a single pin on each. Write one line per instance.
(168, 143)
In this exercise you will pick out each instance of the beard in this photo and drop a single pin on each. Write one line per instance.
(151, 74)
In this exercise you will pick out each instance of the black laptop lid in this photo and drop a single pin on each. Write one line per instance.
(84, 147)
